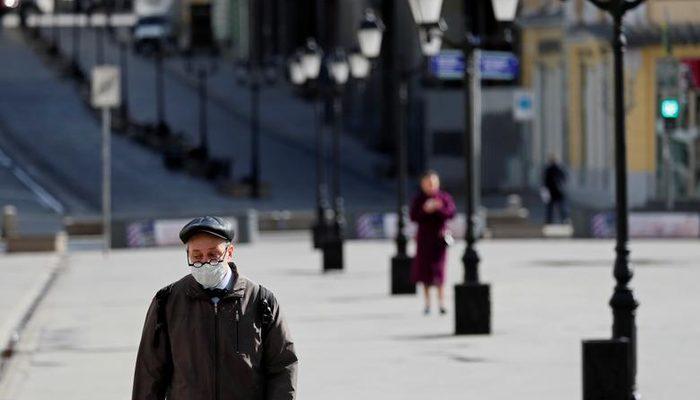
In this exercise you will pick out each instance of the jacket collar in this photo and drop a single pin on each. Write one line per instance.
(195, 290)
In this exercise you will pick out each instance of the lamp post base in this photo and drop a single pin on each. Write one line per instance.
(401, 275)
(472, 309)
(607, 372)
(332, 253)
(319, 234)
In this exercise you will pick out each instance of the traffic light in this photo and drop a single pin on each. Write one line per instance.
(670, 108)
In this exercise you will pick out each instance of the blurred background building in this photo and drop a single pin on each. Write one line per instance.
(567, 61)
(546, 90)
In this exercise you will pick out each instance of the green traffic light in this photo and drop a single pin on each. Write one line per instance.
(670, 108)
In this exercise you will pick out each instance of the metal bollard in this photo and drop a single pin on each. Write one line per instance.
(9, 221)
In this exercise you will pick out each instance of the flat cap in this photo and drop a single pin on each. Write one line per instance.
(212, 225)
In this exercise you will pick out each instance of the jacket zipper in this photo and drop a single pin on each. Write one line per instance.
(216, 350)
(238, 319)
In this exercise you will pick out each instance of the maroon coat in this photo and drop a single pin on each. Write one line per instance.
(429, 263)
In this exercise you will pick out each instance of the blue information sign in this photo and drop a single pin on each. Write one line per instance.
(499, 65)
(493, 65)
(448, 65)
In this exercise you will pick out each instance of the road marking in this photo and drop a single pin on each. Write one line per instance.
(44, 197)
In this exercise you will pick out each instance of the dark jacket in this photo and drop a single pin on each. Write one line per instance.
(199, 351)
(554, 178)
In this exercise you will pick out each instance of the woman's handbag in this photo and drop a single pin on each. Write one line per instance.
(447, 239)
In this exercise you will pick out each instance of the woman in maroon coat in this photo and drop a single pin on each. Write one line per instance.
(431, 209)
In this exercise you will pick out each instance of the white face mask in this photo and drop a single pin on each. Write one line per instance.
(210, 276)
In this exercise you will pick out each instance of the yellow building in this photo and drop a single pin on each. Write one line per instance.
(567, 62)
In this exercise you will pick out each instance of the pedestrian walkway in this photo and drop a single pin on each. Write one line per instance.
(355, 341)
(23, 279)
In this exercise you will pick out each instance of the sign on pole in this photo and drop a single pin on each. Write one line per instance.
(105, 87)
(493, 65)
(523, 105)
(448, 65)
(106, 94)
(499, 65)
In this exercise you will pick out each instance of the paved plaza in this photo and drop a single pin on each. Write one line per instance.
(356, 341)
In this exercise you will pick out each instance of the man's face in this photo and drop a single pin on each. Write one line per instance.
(203, 247)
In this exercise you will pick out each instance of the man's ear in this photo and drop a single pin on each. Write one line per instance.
(230, 252)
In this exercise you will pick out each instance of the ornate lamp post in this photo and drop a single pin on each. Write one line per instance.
(472, 297)
(430, 44)
(610, 365)
(369, 36)
(75, 68)
(123, 43)
(305, 67)
(339, 72)
(201, 68)
(162, 129)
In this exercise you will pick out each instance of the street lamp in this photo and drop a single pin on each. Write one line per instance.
(430, 36)
(201, 70)
(54, 42)
(472, 298)
(161, 129)
(504, 10)
(305, 67)
(308, 61)
(425, 12)
(99, 34)
(254, 61)
(359, 65)
(296, 70)
(123, 42)
(340, 68)
(339, 73)
(611, 365)
(256, 74)
(311, 59)
(370, 34)
(75, 68)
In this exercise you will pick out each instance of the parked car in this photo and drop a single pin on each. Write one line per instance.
(153, 33)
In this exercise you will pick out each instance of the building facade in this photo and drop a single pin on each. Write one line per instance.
(567, 62)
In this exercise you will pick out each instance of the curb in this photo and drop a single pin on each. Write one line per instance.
(11, 332)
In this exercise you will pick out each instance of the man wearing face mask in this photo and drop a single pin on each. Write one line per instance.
(214, 334)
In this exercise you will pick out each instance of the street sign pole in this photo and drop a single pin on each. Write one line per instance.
(106, 94)
(106, 180)
(523, 114)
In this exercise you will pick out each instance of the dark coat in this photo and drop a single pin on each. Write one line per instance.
(431, 252)
(208, 352)
(554, 180)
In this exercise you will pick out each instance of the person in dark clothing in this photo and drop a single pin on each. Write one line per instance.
(554, 181)
(214, 334)
(431, 209)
